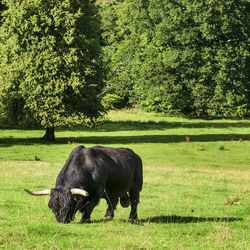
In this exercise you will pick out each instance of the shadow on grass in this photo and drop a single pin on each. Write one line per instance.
(186, 219)
(175, 219)
(105, 140)
(111, 126)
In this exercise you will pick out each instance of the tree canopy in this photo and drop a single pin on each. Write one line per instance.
(177, 57)
(183, 56)
(50, 62)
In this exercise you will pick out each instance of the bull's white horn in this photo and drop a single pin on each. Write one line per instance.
(79, 191)
(38, 193)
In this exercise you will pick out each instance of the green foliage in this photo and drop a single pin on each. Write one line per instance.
(2, 8)
(112, 38)
(192, 57)
(112, 101)
(50, 62)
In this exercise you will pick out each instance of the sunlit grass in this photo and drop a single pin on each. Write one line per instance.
(195, 193)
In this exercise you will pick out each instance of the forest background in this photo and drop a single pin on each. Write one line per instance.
(176, 57)
(189, 57)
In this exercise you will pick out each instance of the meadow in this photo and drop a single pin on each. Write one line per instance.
(195, 194)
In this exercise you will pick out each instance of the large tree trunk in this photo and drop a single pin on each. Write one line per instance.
(50, 134)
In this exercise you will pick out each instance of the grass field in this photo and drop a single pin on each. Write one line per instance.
(195, 194)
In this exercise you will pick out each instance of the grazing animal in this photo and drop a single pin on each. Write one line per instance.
(93, 173)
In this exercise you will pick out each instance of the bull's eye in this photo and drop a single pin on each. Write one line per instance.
(50, 204)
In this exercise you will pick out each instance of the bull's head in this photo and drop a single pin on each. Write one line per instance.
(63, 202)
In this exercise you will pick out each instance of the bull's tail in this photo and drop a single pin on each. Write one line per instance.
(139, 175)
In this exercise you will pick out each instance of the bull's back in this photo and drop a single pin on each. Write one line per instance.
(125, 172)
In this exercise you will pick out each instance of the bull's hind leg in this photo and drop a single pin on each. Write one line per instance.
(112, 202)
(134, 199)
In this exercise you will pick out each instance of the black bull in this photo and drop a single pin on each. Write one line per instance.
(93, 173)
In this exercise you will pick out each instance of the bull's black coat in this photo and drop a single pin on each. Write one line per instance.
(104, 172)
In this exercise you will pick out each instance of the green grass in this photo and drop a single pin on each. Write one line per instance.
(195, 194)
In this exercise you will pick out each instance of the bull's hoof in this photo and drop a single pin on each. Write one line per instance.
(133, 220)
(125, 201)
(85, 221)
(109, 217)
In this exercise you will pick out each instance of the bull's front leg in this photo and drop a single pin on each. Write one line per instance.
(88, 208)
(112, 203)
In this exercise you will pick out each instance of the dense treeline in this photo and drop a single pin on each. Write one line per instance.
(182, 56)
(177, 57)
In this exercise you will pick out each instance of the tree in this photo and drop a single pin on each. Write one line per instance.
(50, 63)
(112, 36)
(2, 7)
(183, 56)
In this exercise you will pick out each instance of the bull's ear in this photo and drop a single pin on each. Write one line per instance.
(79, 191)
(39, 193)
